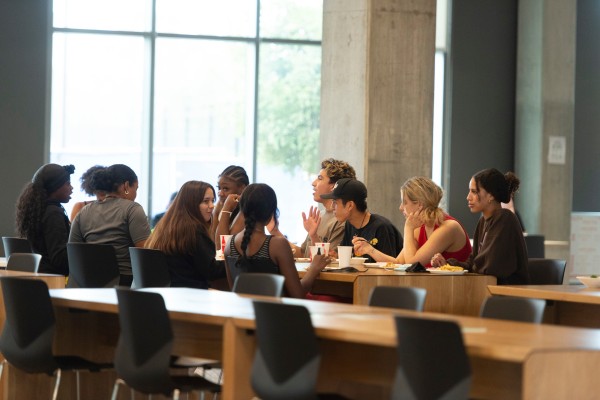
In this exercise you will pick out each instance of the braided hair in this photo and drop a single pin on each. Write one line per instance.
(258, 204)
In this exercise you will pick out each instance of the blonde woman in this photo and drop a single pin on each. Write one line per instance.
(428, 230)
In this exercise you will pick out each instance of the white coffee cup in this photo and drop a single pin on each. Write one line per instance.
(225, 241)
(324, 248)
(344, 255)
(313, 251)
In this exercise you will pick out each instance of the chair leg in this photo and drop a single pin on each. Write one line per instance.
(56, 384)
(2, 364)
(115, 393)
(78, 385)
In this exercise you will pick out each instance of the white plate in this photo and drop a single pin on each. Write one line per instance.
(589, 281)
(397, 267)
(444, 272)
(375, 265)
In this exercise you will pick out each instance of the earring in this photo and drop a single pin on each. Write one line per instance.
(126, 191)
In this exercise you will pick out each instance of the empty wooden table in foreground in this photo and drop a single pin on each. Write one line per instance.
(449, 294)
(509, 359)
(572, 305)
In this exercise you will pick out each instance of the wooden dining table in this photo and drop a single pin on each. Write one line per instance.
(53, 282)
(451, 294)
(508, 359)
(572, 305)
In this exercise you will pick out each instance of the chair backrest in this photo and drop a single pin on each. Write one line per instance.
(92, 265)
(287, 359)
(143, 352)
(15, 245)
(546, 271)
(513, 309)
(233, 270)
(26, 262)
(28, 334)
(432, 361)
(149, 267)
(535, 246)
(258, 283)
(408, 298)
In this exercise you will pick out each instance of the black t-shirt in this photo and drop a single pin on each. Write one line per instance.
(379, 232)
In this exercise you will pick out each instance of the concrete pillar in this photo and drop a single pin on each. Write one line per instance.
(377, 92)
(545, 109)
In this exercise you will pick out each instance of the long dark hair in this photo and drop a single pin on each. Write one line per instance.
(258, 203)
(31, 203)
(176, 232)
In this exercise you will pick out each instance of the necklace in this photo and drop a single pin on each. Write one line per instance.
(360, 227)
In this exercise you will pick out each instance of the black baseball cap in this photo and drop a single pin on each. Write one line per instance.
(348, 189)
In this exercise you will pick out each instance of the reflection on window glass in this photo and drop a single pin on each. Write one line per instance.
(291, 19)
(203, 118)
(124, 15)
(207, 17)
(288, 128)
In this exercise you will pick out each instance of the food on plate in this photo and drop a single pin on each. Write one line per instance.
(448, 267)
(389, 265)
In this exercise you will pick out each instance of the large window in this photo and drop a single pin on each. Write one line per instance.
(180, 89)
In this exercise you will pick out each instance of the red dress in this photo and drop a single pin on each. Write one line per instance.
(461, 255)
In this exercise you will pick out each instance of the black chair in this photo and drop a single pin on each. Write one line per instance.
(258, 283)
(149, 267)
(15, 245)
(513, 309)
(28, 334)
(233, 270)
(143, 354)
(287, 359)
(546, 271)
(432, 361)
(26, 262)
(535, 246)
(408, 298)
(92, 265)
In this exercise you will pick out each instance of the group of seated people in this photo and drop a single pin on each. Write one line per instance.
(198, 215)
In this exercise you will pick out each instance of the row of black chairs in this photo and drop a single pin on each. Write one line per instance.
(283, 368)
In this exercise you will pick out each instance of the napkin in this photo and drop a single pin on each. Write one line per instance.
(416, 267)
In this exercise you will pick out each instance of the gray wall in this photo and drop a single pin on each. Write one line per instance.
(480, 101)
(23, 60)
(586, 168)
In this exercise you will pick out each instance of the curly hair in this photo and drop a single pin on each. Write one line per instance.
(258, 204)
(337, 169)
(429, 195)
(30, 208)
(86, 178)
(109, 179)
(177, 230)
